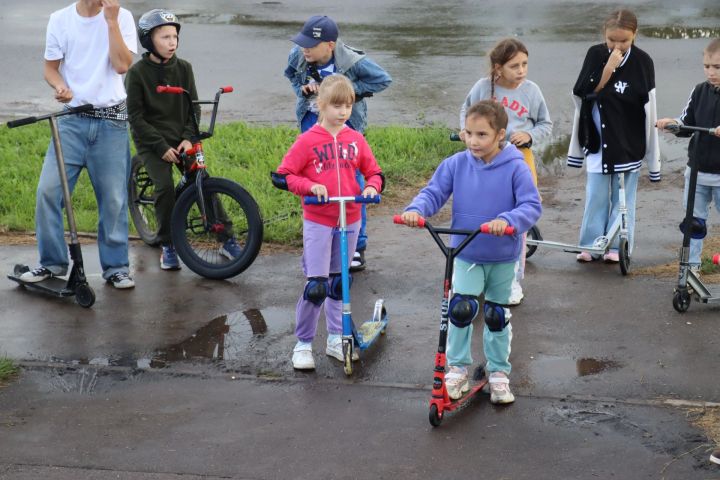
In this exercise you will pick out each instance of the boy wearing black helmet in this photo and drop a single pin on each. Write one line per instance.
(161, 124)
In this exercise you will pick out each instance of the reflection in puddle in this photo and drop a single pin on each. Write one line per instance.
(223, 338)
(559, 369)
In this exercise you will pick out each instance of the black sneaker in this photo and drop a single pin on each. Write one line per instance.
(121, 280)
(36, 275)
(358, 262)
(715, 456)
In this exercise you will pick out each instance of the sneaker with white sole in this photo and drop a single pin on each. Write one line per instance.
(358, 262)
(35, 275)
(715, 456)
(333, 348)
(516, 293)
(168, 258)
(231, 249)
(302, 358)
(121, 280)
(456, 382)
(500, 388)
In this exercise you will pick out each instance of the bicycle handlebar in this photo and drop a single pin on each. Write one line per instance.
(169, 89)
(484, 228)
(311, 200)
(716, 259)
(454, 137)
(68, 111)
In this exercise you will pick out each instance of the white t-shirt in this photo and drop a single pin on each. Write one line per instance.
(83, 46)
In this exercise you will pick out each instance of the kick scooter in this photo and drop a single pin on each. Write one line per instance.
(440, 400)
(363, 336)
(689, 284)
(603, 243)
(76, 284)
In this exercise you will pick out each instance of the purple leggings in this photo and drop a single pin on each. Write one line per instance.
(321, 256)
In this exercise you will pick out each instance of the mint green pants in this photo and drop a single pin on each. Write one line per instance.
(494, 280)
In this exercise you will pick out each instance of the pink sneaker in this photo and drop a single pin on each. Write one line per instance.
(611, 257)
(584, 257)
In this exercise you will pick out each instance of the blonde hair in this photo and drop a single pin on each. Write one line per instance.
(336, 89)
(623, 19)
(713, 46)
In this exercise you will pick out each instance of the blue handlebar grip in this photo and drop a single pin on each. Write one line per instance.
(361, 199)
(310, 200)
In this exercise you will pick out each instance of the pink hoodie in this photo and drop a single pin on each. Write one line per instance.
(318, 157)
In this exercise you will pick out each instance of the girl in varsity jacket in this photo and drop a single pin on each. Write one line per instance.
(613, 128)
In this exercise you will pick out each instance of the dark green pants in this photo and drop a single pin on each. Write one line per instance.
(161, 175)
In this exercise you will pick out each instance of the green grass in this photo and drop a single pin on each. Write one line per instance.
(7, 370)
(243, 153)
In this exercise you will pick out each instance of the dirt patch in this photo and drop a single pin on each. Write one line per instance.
(707, 420)
(710, 273)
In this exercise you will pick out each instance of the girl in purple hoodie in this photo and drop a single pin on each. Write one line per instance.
(490, 184)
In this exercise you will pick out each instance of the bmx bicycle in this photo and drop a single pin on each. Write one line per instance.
(689, 284)
(440, 401)
(210, 215)
(365, 335)
(76, 283)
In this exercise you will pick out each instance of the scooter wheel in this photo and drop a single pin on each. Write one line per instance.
(681, 301)
(347, 358)
(624, 255)
(434, 417)
(84, 295)
(532, 234)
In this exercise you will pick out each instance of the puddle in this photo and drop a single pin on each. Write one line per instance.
(560, 368)
(226, 337)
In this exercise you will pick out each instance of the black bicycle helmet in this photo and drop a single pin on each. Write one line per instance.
(156, 17)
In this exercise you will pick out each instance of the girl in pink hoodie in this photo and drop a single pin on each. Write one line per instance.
(322, 162)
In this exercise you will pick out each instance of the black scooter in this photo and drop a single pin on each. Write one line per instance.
(76, 284)
(689, 285)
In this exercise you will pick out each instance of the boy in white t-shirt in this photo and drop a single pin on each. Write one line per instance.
(89, 45)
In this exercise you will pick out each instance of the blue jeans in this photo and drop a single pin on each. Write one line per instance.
(494, 281)
(602, 207)
(103, 147)
(704, 196)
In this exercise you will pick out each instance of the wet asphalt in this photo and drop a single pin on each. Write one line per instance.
(184, 377)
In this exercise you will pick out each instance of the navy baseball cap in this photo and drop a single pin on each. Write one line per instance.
(319, 28)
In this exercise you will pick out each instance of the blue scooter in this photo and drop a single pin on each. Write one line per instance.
(352, 337)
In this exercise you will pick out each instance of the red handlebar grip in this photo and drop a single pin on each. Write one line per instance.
(716, 259)
(227, 89)
(484, 228)
(398, 219)
(168, 89)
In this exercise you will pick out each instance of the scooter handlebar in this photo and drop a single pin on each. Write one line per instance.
(227, 89)
(399, 220)
(68, 111)
(485, 228)
(312, 200)
(21, 122)
(677, 128)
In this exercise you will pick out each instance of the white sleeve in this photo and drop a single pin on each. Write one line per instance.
(127, 29)
(652, 145)
(53, 45)
(576, 157)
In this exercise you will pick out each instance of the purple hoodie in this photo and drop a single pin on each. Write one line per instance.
(483, 192)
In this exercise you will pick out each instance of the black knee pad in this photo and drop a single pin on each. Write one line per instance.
(463, 309)
(316, 289)
(495, 317)
(698, 228)
(335, 291)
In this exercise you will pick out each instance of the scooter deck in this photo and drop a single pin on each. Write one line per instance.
(368, 332)
(53, 286)
(702, 293)
(475, 389)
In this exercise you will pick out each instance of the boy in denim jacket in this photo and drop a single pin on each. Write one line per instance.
(319, 53)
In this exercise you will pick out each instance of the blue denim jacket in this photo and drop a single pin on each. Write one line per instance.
(365, 75)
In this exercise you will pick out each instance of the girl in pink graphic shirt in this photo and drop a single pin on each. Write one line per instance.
(322, 162)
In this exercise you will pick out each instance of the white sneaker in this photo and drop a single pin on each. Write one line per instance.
(500, 388)
(36, 275)
(302, 358)
(516, 293)
(456, 382)
(334, 348)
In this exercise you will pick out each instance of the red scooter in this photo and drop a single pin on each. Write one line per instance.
(440, 400)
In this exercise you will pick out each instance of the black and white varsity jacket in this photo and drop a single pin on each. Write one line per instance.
(703, 110)
(627, 114)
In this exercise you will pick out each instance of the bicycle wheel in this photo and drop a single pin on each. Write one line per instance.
(141, 202)
(228, 242)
